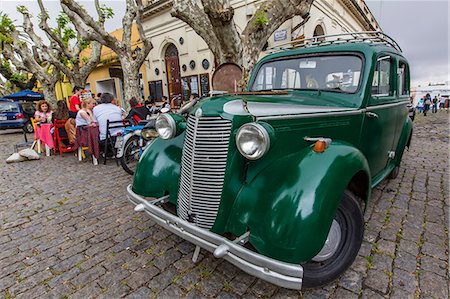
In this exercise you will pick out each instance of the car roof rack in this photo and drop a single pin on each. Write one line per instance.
(371, 37)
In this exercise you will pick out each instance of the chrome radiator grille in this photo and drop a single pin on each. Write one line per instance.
(203, 166)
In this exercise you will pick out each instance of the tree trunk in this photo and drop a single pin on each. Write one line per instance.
(130, 82)
(50, 94)
(213, 21)
(77, 81)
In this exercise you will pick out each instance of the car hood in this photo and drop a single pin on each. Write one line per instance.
(274, 104)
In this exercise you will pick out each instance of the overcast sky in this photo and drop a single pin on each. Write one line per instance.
(421, 28)
(53, 7)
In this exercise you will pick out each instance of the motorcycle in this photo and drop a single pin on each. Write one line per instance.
(132, 142)
(130, 145)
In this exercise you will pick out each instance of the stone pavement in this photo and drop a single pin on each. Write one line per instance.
(67, 231)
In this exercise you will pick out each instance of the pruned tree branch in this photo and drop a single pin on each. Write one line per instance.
(67, 58)
(193, 14)
(130, 59)
(216, 18)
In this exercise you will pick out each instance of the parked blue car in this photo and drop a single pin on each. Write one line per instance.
(16, 114)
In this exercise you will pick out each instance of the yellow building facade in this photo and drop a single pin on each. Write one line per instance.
(108, 76)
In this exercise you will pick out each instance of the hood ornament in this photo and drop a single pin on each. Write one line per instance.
(199, 113)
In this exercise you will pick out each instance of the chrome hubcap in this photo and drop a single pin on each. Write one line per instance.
(331, 244)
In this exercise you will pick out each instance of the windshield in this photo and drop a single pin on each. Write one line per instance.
(9, 107)
(340, 73)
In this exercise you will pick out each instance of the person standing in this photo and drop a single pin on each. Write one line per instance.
(75, 102)
(427, 104)
(435, 103)
(420, 104)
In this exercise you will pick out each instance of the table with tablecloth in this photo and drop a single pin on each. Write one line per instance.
(43, 133)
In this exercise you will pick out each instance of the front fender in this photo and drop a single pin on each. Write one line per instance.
(158, 171)
(289, 206)
(405, 140)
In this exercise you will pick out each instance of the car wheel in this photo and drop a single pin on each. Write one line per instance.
(29, 127)
(342, 245)
(394, 173)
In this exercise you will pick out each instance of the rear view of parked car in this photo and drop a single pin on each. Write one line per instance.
(14, 115)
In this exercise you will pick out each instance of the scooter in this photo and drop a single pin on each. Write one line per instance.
(130, 145)
(135, 139)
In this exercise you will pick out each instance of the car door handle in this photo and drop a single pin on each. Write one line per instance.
(371, 115)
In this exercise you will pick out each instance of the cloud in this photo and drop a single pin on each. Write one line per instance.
(421, 28)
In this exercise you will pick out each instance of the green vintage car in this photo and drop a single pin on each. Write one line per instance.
(276, 179)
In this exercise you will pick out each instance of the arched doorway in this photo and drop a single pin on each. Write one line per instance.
(318, 31)
(173, 71)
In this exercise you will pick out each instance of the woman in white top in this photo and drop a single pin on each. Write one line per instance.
(85, 116)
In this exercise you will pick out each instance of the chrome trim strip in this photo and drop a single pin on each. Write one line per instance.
(258, 109)
(335, 113)
(383, 106)
(283, 274)
(312, 115)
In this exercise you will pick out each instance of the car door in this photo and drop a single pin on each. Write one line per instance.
(380, 121)
(403, 98)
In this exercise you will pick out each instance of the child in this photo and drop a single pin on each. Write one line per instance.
(43, 112)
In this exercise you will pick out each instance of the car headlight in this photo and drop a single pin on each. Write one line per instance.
(149, 134)
(253, 141)
(166, 126)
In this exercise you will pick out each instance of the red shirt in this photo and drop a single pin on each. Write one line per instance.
(74, 100)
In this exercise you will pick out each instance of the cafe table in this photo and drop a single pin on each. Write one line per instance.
(43, 134)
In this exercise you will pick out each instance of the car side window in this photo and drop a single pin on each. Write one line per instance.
(381, 84)
(403, 75)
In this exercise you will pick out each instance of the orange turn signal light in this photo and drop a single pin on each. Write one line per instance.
(320, 146)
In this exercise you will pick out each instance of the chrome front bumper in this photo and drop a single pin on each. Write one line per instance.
(279, 273)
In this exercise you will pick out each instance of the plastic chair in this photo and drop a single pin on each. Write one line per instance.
(109, 141)
(60, 138)
(36, 143)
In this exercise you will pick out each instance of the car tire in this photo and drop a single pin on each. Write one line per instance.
(351, 224)
(28, 127)
(394, 173)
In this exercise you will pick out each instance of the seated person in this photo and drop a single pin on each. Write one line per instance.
(137, 112)
(62, 113)
(165, 103)
(107, 111)
(311, 82)
(176, 101)
(85, 116)
(151, 106)
(43, 112)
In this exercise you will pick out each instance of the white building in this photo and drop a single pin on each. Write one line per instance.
(435, 90)
(181, 62)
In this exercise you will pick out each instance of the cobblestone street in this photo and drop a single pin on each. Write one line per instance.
(68, 231)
